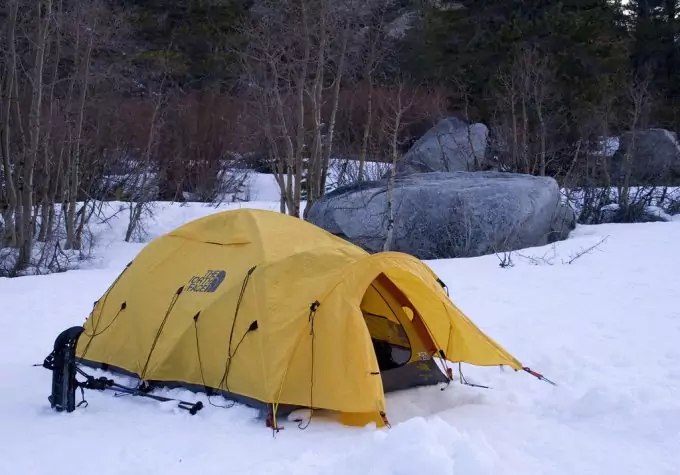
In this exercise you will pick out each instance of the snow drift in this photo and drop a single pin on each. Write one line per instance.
(604, 327)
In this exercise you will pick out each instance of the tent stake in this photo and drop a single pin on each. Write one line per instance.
(538, 375)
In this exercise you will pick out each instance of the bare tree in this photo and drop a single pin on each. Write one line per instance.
(276, 59)
(376, 49)
(318, 163)
(295, 62)
(397, 107)
(46, 50)
(8, 83)
(139, 206)
(25, 223)
(72, 239)
(525, 116)
(638, 93)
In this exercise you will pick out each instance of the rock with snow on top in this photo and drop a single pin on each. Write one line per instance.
(450, 146)
(655, 158)
(442, 215)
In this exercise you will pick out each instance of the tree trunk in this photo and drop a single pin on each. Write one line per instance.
(543, 131)
(525, 133)
(513, 115)
(334, 112)
(290, 150)
(370, 66)
(389, 238)
(300, 135)
(315, 165)
(47, 204)
(72, 241)
(367, 130)
(26, 246)
(137, 208)
(10, 237)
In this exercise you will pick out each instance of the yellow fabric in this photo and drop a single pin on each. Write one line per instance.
(383, 329)
(377, 301)
(145, 325)
(387, 319)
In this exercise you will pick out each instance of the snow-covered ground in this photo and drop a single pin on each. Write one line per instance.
(606, 328)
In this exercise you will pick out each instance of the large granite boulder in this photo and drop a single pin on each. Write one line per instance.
(450, 146)
(655, 158)
(563, 222)
(442, 215)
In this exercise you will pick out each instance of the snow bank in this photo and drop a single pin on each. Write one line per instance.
(605, 327)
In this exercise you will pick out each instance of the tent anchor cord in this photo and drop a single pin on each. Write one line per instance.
(207, 390)
(158, 334)
(275, 404)
(465, 381)
(312, 313)
(448, 371)
(224, 381)
(123, 306)
(101, 310)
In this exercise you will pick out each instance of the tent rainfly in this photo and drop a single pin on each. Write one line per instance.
(274, 312)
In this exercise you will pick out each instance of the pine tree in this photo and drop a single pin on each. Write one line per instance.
(656, 52)
(192, 38)
(538, 68)
(471, 44)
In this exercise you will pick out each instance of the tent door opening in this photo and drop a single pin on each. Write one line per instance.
(402, 345)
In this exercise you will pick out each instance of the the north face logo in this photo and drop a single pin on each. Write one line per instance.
(206, 283)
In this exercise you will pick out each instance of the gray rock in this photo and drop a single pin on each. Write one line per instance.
(655, 158)
(442, 215)
(638, 213)
(563, 222)
(450, 146)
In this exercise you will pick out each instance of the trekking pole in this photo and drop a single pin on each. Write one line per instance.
(104, 383)
(193, 408)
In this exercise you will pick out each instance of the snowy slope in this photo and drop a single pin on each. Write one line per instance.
(606, 328)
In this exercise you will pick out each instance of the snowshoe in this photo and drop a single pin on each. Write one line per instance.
(62, 363)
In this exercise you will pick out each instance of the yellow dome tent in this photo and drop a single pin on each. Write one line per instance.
(272, 311)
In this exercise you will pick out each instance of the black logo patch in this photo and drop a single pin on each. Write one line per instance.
(206, 283)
